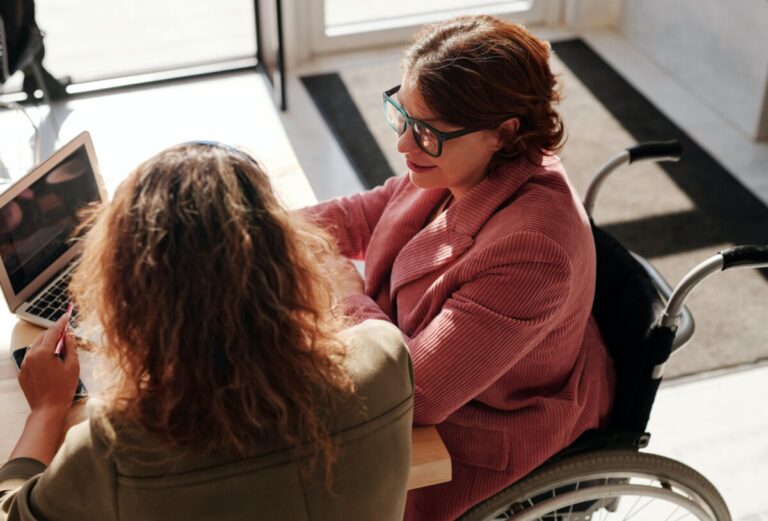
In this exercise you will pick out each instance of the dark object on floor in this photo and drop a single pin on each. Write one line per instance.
(22, 49)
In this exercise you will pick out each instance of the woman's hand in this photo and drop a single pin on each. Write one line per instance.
(49, 384)
(48, 381)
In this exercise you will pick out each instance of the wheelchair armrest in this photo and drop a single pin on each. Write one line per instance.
(650, 150)
(687, 325)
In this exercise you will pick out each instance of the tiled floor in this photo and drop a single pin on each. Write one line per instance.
(716, 424)
(128, 127)
(744, 158)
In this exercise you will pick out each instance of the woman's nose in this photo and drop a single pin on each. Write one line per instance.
(406, 143)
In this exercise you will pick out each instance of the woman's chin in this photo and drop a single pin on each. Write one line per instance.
(423, 180)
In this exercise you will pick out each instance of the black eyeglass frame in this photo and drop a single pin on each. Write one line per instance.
(441, 136)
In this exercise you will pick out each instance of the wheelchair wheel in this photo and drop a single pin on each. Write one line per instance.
(607, 485)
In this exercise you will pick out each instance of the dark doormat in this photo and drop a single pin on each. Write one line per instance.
(330, 94)
(724, 211)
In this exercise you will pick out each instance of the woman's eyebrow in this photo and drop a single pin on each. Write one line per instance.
(430, 120)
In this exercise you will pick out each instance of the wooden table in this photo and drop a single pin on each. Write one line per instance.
(430, 461)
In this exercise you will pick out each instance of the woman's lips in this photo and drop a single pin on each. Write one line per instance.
(419, 169)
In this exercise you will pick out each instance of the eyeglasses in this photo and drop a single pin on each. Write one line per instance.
(427, 137)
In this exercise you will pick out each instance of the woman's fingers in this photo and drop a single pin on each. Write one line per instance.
(72, 360)
(50, 336)
(47, 379)
(36, 343)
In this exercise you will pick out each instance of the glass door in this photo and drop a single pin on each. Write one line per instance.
(89, 41)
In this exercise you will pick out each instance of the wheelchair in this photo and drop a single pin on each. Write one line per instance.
(603, 475)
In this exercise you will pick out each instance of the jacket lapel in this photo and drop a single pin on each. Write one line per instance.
(452, 233)
(403, 219)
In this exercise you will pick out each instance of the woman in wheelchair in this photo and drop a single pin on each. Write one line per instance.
(234, 392)
(483, 257)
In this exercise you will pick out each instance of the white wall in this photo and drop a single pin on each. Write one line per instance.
(715, 48)
(592, 14)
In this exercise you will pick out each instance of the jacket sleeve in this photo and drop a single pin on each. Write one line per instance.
(487, 326)
(352, 219)
(78, 484)
(13, 476)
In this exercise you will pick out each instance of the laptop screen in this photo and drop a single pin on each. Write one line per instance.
(36, 225)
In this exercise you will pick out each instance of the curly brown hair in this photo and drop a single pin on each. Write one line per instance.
(214, 305)
(479, 71)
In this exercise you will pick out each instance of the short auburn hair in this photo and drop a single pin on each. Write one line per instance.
(479, 71)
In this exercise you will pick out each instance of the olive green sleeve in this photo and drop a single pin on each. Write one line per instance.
(14, 475)
(78, 484)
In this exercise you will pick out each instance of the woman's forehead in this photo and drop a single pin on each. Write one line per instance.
(412, 101)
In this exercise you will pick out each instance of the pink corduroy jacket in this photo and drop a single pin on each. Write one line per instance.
(494, 300)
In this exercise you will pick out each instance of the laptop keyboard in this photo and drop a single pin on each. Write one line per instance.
(51, 303)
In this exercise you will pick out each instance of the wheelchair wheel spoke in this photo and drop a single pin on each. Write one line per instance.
(570, 510)
(650, 500)
(600, 487)
(686, 514)
(632, 508)
(673, 513)
(531, 504)
(554, 494)
(605, 510)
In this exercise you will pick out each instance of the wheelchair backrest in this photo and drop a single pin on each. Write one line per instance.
(626, 309)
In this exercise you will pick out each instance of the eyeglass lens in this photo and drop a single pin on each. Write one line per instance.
(424, 137)
(395, 118)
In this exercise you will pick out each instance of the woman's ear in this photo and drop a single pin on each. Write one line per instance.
(504, 132)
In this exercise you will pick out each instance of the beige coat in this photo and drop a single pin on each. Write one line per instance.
(87, 481)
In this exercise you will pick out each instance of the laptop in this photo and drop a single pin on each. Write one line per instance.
(38, 215)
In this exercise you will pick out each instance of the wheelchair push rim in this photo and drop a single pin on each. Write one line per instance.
(607, 485)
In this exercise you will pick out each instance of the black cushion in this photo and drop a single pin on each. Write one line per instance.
(626, 309)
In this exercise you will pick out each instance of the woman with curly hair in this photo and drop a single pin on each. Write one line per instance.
(482, 255)
(235, 390)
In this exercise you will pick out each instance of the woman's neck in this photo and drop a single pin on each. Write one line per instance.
(445, 202)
